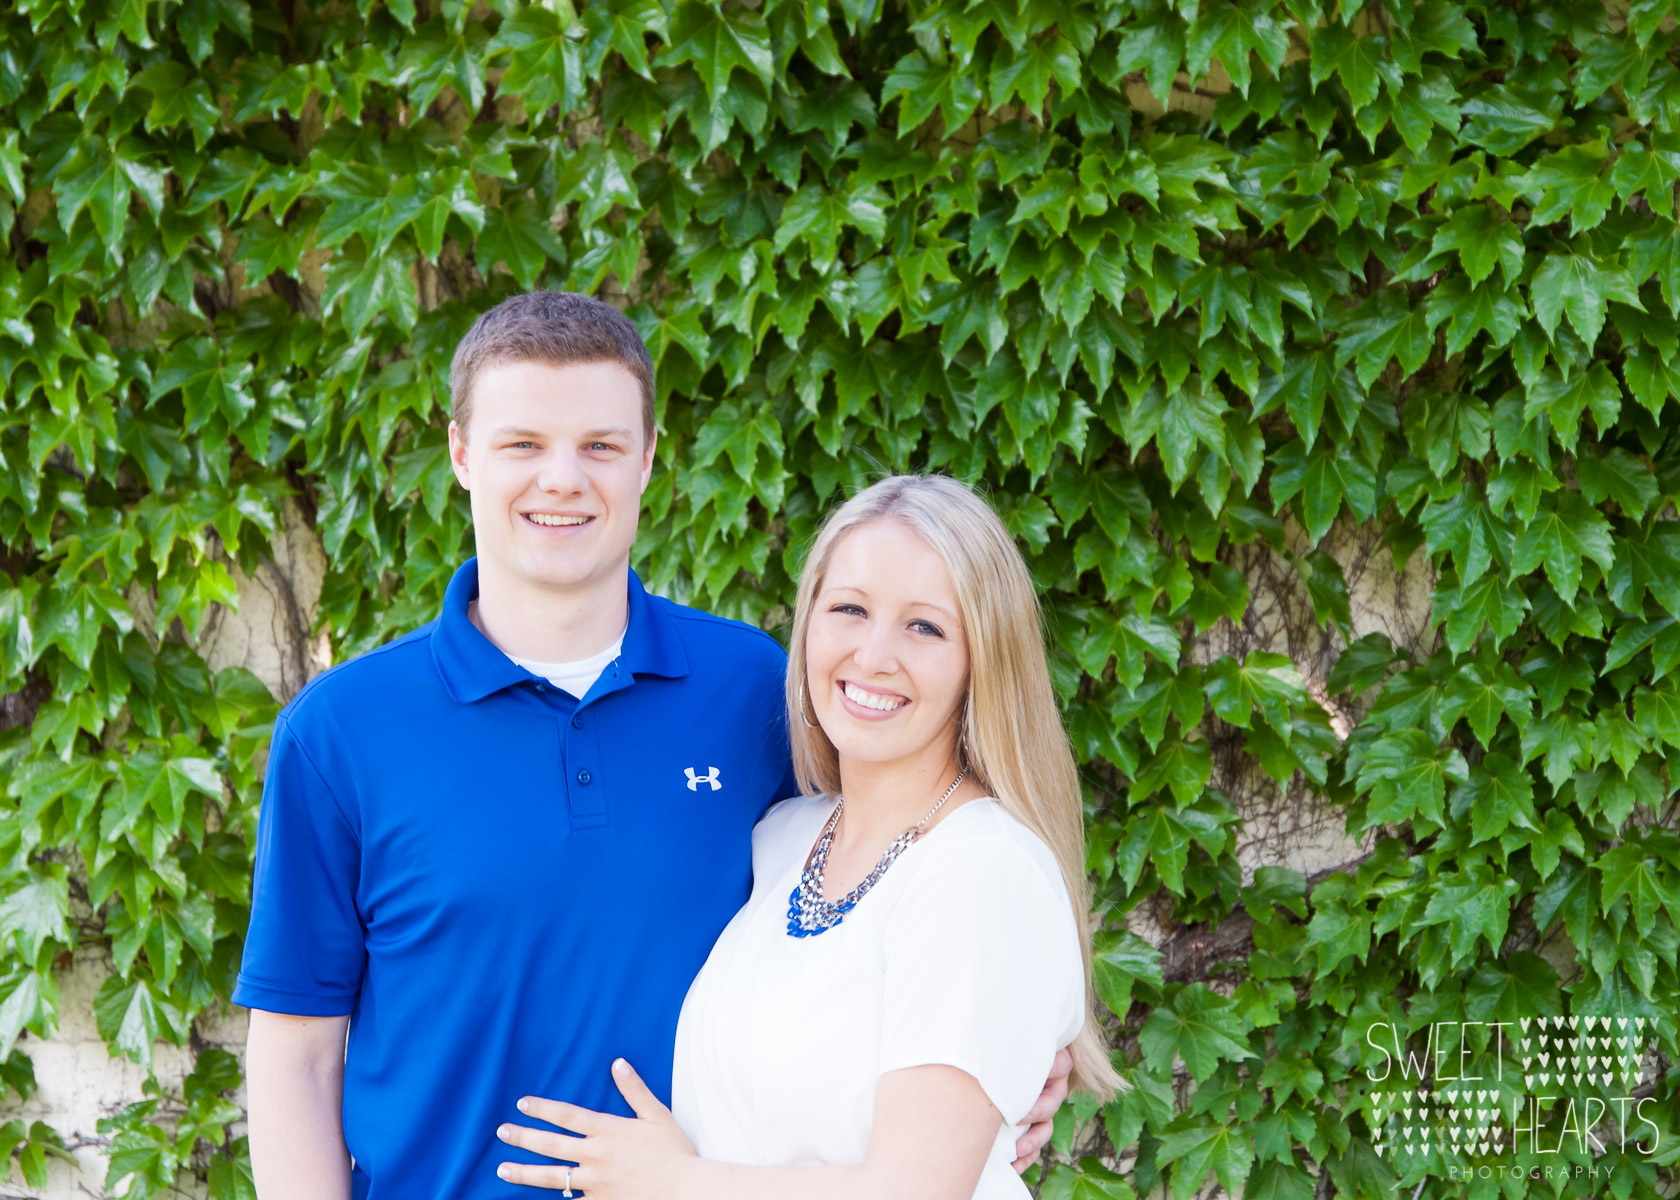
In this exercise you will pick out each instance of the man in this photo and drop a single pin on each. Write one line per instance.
(496, 851)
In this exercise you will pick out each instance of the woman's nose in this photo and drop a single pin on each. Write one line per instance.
(875, 652)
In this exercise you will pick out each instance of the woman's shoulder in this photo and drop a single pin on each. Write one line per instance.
(790, 826)
(985, 840)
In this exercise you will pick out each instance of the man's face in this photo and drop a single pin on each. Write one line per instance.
(555, 462)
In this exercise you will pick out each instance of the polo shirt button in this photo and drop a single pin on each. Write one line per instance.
(584, 777)
(577, 721)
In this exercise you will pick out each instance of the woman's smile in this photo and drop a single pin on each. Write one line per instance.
(869, 703)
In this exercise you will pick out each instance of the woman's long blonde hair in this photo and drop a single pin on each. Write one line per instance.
(1009, 733)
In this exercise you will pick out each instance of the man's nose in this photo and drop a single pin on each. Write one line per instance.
(562, 474)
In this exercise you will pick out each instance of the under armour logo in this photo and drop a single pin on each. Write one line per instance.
(710, 779)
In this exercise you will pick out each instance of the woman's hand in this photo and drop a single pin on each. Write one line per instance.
(618, 1158)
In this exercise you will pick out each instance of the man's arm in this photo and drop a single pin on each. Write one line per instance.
(294, 1071)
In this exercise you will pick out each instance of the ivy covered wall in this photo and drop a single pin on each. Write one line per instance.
(1219, 299)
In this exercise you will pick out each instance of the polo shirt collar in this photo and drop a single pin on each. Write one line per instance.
(651, 643)
(473, 667)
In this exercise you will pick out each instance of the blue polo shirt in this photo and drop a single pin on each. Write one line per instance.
(504, 887)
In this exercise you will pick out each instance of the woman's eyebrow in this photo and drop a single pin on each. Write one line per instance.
(938, 608)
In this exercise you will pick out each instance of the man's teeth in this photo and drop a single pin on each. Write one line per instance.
(870, 700)
(551, 519)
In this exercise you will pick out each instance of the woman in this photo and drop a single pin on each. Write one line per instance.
(859, 1028)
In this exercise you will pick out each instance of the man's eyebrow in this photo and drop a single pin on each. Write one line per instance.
(516, 431)
(622, 431)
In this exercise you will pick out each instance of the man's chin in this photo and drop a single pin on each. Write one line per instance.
(570, 575)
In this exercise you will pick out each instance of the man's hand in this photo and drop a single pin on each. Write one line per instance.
(1044, 1112)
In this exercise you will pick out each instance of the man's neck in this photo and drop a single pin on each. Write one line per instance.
(541, 624)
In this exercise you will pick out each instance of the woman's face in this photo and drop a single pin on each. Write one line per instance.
(886, 654)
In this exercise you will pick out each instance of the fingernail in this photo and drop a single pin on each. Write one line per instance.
(524, 1105)
(620, 1066)
(501, 1132)
(503, 1171)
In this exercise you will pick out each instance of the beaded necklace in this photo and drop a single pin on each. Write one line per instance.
(808, 913)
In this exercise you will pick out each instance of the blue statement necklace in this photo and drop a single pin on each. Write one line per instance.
(808, 913)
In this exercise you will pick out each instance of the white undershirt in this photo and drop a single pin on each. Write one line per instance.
(574, 678)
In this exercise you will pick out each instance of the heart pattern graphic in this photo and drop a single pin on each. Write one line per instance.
(1561, 1051)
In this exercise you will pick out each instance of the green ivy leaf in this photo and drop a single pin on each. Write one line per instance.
(131, 1016)
(1387, 327)
(545, 48)
(1356, 61)
(1407, 775)
(1649, 881)
(1029, 71)
(1323, 479)
(1498, 795)
(720, 42)
(1197, 1025)
(1119, 959)
(518, 236)
(1089, 1180)
(1581, 289)
(1203, 1148)
(1572, 181)
(1565, 531)
(1482, 242)
(1475, 907)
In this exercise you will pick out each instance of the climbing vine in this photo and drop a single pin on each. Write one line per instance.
(1185, 284)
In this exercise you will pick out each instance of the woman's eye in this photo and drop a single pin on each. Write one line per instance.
(927, 627)
(849, 609)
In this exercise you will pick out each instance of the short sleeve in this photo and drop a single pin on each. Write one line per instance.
(304, 950)
(983, 971)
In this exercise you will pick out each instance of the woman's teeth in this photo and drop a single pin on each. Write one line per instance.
(872, 700)
(552, 520)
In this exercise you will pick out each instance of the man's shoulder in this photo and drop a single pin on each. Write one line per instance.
(376, 675)
(708, 631)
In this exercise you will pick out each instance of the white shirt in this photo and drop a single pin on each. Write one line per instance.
(575, 678)
(965, 953)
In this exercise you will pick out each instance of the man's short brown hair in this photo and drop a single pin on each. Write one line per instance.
(556, 328)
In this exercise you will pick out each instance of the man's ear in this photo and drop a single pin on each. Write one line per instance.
(458, 453)
(647, 459)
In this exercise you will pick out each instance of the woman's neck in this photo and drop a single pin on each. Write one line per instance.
(883, 799)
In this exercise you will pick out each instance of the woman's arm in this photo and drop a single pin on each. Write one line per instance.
(932, 1130)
